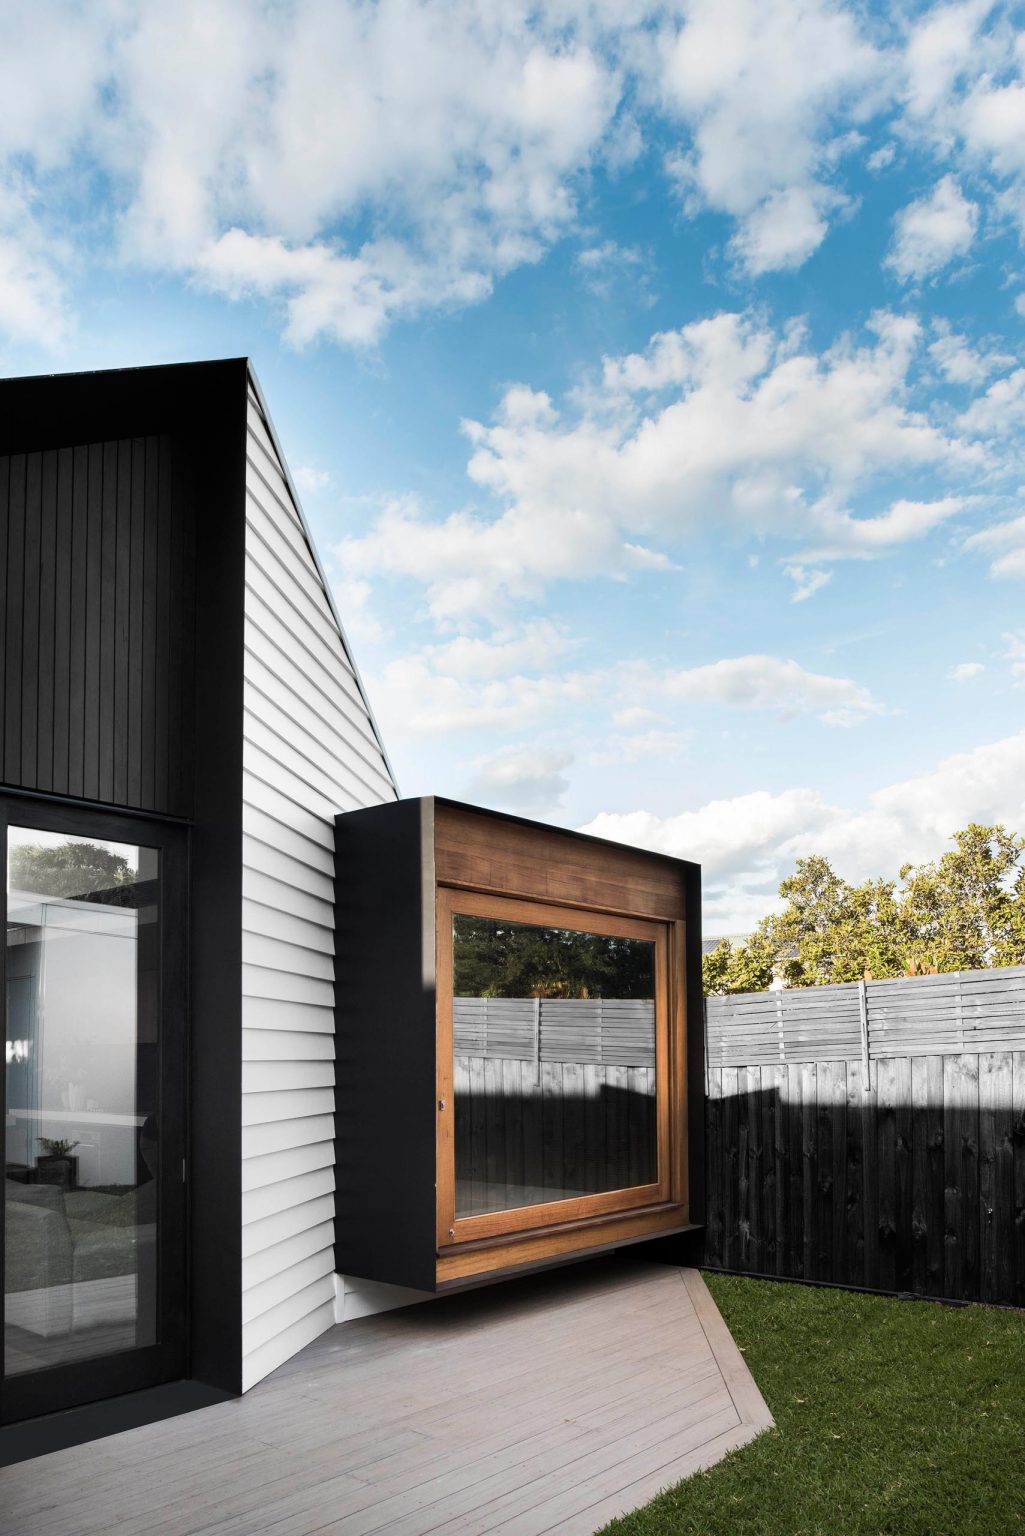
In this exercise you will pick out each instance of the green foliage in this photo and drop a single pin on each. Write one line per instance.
(54, 1147)
(499, 959)
(893, 1418)
(68, 870)
(964, 911)
(739, 968)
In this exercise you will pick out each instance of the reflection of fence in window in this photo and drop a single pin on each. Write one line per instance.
(554, 1095)
(599, 1031)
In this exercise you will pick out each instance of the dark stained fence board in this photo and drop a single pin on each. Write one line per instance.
(886, 1174)
(902, 1194)
(1017, 1234)
(914, 1182)
(855, 1171)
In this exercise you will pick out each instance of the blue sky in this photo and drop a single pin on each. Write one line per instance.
(652, 374)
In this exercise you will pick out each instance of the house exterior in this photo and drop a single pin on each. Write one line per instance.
(193, 797)
(175, 679)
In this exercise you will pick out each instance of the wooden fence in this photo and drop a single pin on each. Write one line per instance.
(872, 1135)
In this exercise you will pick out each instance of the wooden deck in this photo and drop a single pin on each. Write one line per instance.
(543, 1405)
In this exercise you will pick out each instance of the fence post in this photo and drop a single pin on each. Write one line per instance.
(960, 1012)
(865, 1059)
(537, 1040)
(704, 1023)
(779, 1024)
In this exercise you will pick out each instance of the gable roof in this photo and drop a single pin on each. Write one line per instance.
(315, 557)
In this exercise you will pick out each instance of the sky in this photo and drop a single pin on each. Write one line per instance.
(652, 375)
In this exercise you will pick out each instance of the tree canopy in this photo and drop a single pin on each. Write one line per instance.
(71, 869)
(493, 958)
(963, 911)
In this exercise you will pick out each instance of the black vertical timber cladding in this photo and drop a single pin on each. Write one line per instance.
(122, 569)
(385, 1044)
(97, 612)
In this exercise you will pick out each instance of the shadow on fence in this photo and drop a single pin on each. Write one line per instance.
(916, 1185)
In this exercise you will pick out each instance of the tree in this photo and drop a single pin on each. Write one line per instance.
(493, 958)
(967, 909)
(69, 870)
(739, 968)
(964, 911)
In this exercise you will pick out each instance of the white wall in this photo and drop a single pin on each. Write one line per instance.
(310, 750)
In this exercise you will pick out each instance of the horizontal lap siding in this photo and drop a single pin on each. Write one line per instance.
(310, 751)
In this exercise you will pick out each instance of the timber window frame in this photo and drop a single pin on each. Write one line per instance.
(668, 1187)
(414, 866)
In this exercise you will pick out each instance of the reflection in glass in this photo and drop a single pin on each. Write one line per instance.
(81, 1133)
(554, 1071)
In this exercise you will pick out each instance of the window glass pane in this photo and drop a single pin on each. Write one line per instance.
(554, 1072)
(82, 1076)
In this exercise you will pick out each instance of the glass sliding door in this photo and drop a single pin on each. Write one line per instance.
(558, 1063)
(93, 1111)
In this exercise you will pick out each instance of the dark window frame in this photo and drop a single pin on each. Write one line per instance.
(87, 1381)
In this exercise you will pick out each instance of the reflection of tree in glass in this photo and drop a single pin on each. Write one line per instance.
(68, 870)
(498, 959)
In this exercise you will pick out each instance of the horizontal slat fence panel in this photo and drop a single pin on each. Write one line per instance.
(911, 1015)
(880, 1145)
(592, 1031)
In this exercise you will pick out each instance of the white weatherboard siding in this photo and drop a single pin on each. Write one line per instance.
(310, 750)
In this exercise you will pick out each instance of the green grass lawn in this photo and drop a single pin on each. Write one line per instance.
(893, 1418)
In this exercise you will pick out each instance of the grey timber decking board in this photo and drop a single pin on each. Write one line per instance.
(543, 1405)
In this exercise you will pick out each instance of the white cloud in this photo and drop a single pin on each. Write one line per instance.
(965, 671)
(931, 232)
(1000, 411)
(33, 295)
(640, 747)
(349, 163)
(1006, 543)
(472, 565)
(1015, 652)
(761, 86)
(862, 538)
(721, 422)
(533, 648)
(747, 844)
(882, 157)
(769, 682)
(807, 581)
(962, 363)
(600, 267)
(741, 837)
(940, 48)
(964, 67)
(783, 231)
(353, 598)
(634, 715)
(416, 698)
(522, 778)
(312, 480)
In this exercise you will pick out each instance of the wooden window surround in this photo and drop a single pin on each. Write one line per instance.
(500, 1202)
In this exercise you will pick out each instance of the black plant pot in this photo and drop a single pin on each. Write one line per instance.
(51, 1169)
